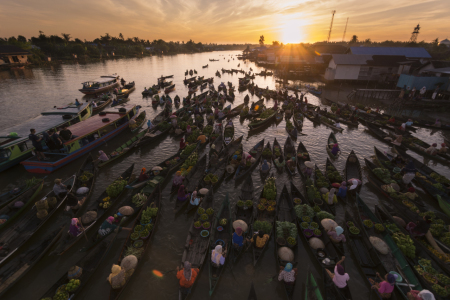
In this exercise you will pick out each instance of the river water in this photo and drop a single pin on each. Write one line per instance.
(25, 93)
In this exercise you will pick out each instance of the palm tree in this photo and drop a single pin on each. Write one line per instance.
(121, 36)
(354, 39)
(66, 37)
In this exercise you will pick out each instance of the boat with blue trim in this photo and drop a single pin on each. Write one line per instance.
(88, 135)
(15, 146)
(100, 85)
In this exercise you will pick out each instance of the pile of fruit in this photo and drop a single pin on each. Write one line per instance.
(86, 176)
(229, 132)
(188, 150)
(208, 129)
(324, 215)
(383, 174)
(262, 225)
(192, 138)
(163, 126)
(189, 163)
(139, 199)
(270, 189)
(72, 285)
(304, 210)
(32, 182)
(405, 243)
(289, 125)
(106, 202)
(311, 190)
(148, 214)
(267, 152)
(439, 178)
(116, 188)
(333, 175)
(277, 150)
(321, 180)
(267, 113)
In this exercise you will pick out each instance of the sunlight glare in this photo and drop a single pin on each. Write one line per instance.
(292, 32)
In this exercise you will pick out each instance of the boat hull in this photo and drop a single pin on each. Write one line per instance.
(99, 90)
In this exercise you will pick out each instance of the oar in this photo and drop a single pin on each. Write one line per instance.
(403, 275)
(84, 229)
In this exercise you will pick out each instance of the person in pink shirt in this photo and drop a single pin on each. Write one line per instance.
(340, 278)
(420, 295)
(385, 287)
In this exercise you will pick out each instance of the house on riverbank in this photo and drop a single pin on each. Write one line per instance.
(13, 55)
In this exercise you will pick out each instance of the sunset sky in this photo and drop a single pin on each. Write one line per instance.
(227, 21)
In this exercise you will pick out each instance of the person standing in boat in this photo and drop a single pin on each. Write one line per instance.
(287, 274)
(340, 278)
(187, 277)
(37, 144)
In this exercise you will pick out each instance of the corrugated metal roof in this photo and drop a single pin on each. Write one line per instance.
(350, 59)
(410, 52)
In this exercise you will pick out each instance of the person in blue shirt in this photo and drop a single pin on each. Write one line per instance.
(238, 239)
(77, 103)
(37, 144)
(342, 192)
(409, 122)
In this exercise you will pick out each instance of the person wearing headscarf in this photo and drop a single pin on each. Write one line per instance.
(265, 166)
(340, 278)
(432, 149)
(408, 177)
(108, 226)
(188, 129)
(419, 227)
(218, 256)
(291, 163)
(443, 149)
(238, 238)
(309, 168)
(355, 182)
(186, 277)
(403, 127)
(330, 197)
(398, 140)
(337, 234)
(342, 192)
(420, 295)
(335, 150)
(234, 160)
(259, 239)
(103, 156)
(195, 199)
(75, 227)
(143, 176)
(177, 179)
(182, 195)
(182, 144)
(385, 287)
(287, 274)
(409, 123)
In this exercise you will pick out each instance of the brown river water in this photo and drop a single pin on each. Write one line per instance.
(25, 93)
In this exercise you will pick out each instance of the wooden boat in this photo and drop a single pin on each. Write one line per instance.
(279, 116)
(124, 92)
(228, 135)
(327, 122)
(277, 145)
(100, 85)
(378, 133)
(428, 124)
(140, 121)
(101, 104)
(104, 126)
(28, 224)
(331, 141)
(302, 157)
(262, 216)
(204, 66)
(298, 120)
(255, 152)
(120, 101)
(88, 263)
(257, 123)
(330, 174)
(14, 194)
(318, 173)
(196, 247)
(313, 118)
(26, 198)
(312, 290)
(285, 213)
(290, 152)
(368, 260)
(398, 210)
(19, 265)
(252, 294)
(169, 89)
(129, 242)
(419, 147)
(421, 251)
(341, 120)
(244, 214)
(67, 240)
(222, 238)
(20, 147)
(191, 182)
(395, 257)
(150, 136)
(236, 111)
(224, 113)
(353, 169)
(166, 84)
(123, 149)
(269, 160)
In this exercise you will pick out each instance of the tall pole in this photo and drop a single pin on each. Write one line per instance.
(331, 25)
(345, 30)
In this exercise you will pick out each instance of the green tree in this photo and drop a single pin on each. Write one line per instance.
(21, 39)
(275, 43)
(261, 40)
(435, 42)
(66, 36)
(354, 39)
(121, 36)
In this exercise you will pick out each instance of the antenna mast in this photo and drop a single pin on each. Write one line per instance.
(345, 30)
(414, 34)
(331, 25)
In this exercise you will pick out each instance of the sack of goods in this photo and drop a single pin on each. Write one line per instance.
(379, 244)
(52, 202)
(82, 190)
(128, 264)
(42, 214)
(41, 204)
(88, 217)
(117, 277)
(316, 243)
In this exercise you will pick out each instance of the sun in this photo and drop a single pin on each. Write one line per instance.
(292, 32)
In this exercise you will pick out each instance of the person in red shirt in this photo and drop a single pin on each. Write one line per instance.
(187, 277)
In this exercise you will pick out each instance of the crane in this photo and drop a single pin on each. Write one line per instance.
(345, 30)
(331, 25)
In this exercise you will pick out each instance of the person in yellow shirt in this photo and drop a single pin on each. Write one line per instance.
(202, 138)
(260, 239)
